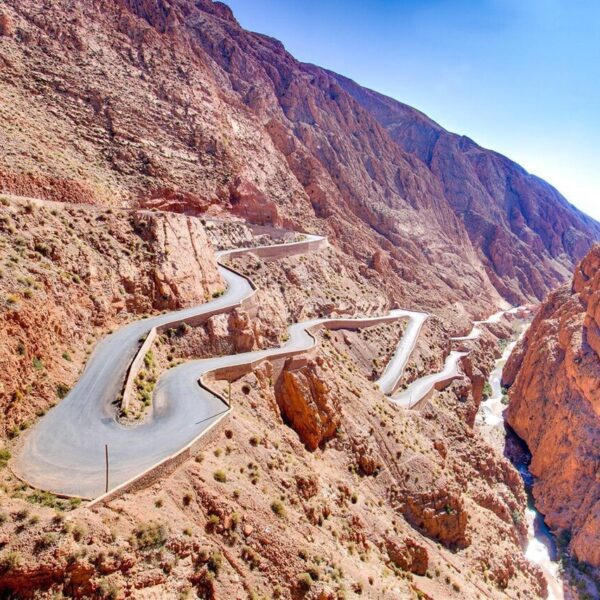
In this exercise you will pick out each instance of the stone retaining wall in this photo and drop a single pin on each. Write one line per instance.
(167, 466)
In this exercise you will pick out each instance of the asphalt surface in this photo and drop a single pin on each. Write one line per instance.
(417, 390)
(395, 368)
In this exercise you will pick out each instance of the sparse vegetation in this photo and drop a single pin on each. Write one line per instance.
(4, 457)
(305, 581)
(62, 389)
(9, 561)
(278, 508)
(487, 391)
(147, 536)
(220, 476)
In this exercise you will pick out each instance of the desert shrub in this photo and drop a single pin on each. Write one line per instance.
(251, 557)
(9, 561)
(305, 581)
(108, 590)
(78, 532)
(4, 457)
(149, 535)
(278, 508)
(220, 476)
(48, 540)
(62, 389)
(215, 562)
(44, 499)
(149, 359)
(213, 521)
(21, 514)
(487, 390)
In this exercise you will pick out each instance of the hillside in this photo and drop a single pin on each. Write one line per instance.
(173, 104)
(138, 139)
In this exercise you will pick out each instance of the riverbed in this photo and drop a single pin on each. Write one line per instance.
(541, 547)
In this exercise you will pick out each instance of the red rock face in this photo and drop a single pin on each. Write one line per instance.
(555, 406)
(172, 102)
(309, 403)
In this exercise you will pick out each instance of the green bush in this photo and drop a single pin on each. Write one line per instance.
(9, 561)
(305, 581)
(149, 359)
(4, 457)
(150, 535)
(487, 391)
(62, 389)
(220, 476)
(278, 508)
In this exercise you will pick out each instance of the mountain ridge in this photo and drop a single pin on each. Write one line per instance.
(192, 111)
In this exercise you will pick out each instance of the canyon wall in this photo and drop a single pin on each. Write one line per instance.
(554, 375)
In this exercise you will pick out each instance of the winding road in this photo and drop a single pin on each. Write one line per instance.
(395, 368)
(418, 390)
(64, 452)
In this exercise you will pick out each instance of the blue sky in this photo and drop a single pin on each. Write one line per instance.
(519, 76)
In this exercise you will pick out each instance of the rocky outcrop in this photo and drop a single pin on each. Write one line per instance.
(554, 376)
(309, 402)
(440, 512)
(408, 555)
(7, 26)
(182, 268)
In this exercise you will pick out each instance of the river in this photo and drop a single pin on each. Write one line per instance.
(541, 547)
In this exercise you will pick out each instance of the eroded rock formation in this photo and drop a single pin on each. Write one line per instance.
(309, 402)
(554, 376)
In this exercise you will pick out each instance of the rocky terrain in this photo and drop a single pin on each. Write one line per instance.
(554, 376)
(171, 104)
(138, 137)
(316, 487)
(69, 274)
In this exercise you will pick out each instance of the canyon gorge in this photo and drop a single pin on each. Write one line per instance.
(143, 138)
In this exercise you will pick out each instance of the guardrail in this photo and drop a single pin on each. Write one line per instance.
(269, 252)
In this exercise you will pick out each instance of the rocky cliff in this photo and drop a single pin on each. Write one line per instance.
(525, 232)
(172, 104)
(69, 275)
(554, 376)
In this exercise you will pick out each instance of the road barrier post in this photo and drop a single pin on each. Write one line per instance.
(106, 461)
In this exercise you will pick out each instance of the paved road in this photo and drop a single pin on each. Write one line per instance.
(395, 368)
(418, 389)
(476, 331)
(64, 452)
